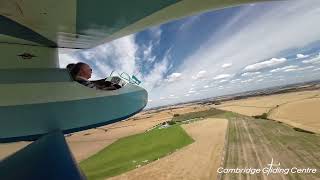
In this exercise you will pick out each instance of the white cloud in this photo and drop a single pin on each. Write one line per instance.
(300, 56)
(265, 64)
(156, 76)
(317, 69)
(305, 68)
(222, 47)
(227, 65)
(246, 81)
(174, 77)
(284, 68)
(119, 53)
(235, 80)
(200, 75)
(147, 51)
(299, 69)
(250, 74)
(315, 60)
(66, 58)
(222, 76)
(223, 80)
(290, 70)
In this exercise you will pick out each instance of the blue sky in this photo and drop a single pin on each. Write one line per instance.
(215, 53)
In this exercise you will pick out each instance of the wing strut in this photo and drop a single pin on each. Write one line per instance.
(46, 158)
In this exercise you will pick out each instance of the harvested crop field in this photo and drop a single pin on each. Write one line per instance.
(296, 113)
(199, 160)
(298, 109)
(9, 148)
(254, 143)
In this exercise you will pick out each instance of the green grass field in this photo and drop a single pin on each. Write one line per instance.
(133, 151)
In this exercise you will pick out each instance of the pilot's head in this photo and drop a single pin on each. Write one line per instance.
(82, 70)
(70, 66)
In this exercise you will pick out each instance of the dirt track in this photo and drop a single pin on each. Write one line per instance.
(199, 160)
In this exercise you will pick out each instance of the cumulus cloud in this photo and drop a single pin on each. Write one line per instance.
(265, 64)
(174, 77)
(223, 80)
(235, 80)
(225, 45)
(301, 56)
(200, 75)
(222, 76)
(250, 74)
(284, 68)
(246, 81)
(227, 65)
(315, 60)
(298, 69)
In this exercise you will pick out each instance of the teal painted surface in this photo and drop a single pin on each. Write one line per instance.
(69, 116)
(13, 76)
(83, 24)
(14, 29)
(48, 158)
(108, 17)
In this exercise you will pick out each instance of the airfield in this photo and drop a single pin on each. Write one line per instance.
(243, 133)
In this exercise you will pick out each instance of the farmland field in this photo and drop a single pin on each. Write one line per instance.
(198, 160)
(299, 109)
(253, 143)
(137, 150)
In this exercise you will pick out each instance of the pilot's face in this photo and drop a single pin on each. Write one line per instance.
(86, 71)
